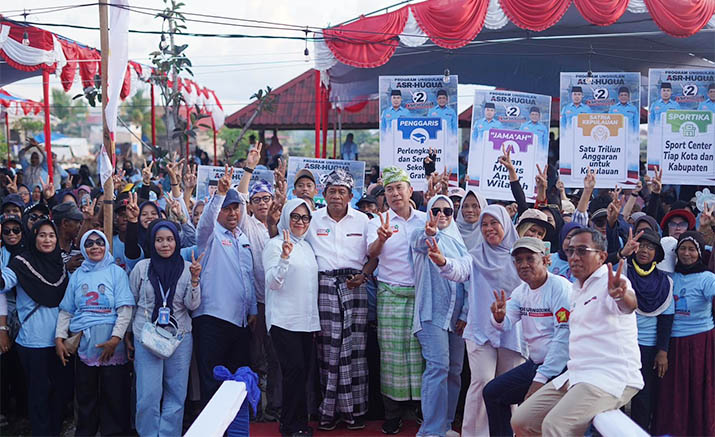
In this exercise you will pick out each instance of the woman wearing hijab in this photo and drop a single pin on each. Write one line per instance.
(490, 351)
(439, 317)
(292, 310)
(654, 290)
(687, 392)
(98, 303)
(40, 279)
(559, 261)
(468, 216)
(163, 282)
(138, 221)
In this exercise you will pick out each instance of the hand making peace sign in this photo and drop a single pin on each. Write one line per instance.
(498, 307)
(287, 245)
(224, 184)
(617, 285)
(384, 231)
(431, 225)
(434, 253)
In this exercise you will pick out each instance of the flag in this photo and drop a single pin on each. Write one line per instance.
(118, 57)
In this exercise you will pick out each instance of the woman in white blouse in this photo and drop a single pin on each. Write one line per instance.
(292, 309)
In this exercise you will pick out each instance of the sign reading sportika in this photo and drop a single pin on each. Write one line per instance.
(418, 113)
(681, 129)
(600, 125)
(507, 121)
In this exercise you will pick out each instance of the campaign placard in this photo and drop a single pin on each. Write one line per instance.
(681, 131)
(600, 128)
(513, 121)
(321, 168)
(418, 113)
(207, 178)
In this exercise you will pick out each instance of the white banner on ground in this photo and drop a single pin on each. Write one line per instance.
(681, 130)
(321, 168)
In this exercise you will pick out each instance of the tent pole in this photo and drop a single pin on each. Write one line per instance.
(335, 135)
(213, 127)
(318, 92)
(48, 129)
(324, 112)
(108, 137)
(7, 138)
(340, 127)
(153, 122)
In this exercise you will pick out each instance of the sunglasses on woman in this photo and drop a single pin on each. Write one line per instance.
(91, 242)
(447, 211)
(8, 231)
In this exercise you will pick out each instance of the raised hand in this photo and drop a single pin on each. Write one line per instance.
(274, 214)
(589, 181)
(48, 189)
(195, 267)
(560, 186)
(434, 253)
(512, 209)
(88, 210)
(614, 208)
(287, 247)
(254, 156)
(444, 180)
(499, 306)
(657, 181)
(224, 184)
(175, 208)
(638, 187)
(147, 172)
(505, 159)
(616, 284)
(384, 231)
(279, 173)
(431, 225)
(281, 188)
(632, 243)
(541, 177)
(11, 184)
(174, 169)
(707, 217)
(118, 180)
(190, 178)
(132, 208)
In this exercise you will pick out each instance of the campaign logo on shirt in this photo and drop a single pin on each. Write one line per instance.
(681, 303)
(96, 301)
(535, 312)
(395, 229)
(562, 315)
(226, 242)
(323, 232)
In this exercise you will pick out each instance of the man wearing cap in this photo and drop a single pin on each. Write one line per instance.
(120, 224)
(535, 126)
(488, 122)
(444, 112)
(542, 305)
(228, 298)
(12, 204)
(709, 104)
(337, 234)
(367, 205)
(664, 103)
(304, 186)
(254, 226)
(456, 194)
(574, 108)
(393, 112)
(68, 219)
(401, 363)
(604, 359)
(626, 108)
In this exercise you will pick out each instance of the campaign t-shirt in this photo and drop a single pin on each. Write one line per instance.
(648, 326)
(693, 295)
(560, 267)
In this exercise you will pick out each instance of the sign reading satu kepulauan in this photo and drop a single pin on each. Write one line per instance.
(207, 178)
(418, 113)
(513, 121)
(321, 168)
(600, 125)
(681, 133)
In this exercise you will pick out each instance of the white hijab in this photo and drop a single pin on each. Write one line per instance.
(471, 233)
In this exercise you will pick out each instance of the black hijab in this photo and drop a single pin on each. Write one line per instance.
(698, 266)
(41, 275)
(164, 271)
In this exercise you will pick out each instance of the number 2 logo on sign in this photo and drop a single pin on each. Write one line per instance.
(419, 97)
(690, 90)
(600, 93)
(513, 111)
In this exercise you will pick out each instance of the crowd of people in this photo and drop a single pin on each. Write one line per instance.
(586, 301)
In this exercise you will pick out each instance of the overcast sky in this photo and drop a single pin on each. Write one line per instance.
(235, 68)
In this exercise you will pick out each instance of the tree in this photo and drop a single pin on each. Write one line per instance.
(29, 126)
(231, 136)
(266, 102)
(71, 113)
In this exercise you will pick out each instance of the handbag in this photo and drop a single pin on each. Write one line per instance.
(72, 342)
(158, 340)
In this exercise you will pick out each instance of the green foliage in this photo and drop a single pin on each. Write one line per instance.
(230, 136)
(137, 110)
(70, 112)
(29, 126)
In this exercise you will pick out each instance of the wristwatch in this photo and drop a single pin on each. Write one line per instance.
(248, 169)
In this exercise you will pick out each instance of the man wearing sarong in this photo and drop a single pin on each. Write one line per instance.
(337, 235)
(401, 363)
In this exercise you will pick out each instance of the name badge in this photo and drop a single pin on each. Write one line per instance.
(164, 316)
(226, 243)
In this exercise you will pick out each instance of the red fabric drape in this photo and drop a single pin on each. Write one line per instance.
(536, 15)
(88, 69)
(368, 42)
(126, 84)
(681, 18)
(451, 23)
(357, 107)
(70, 69)
(601, 12)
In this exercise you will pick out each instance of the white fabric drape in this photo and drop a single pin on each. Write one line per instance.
(412, 35)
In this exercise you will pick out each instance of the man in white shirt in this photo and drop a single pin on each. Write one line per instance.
(604, 358)
(401, 363)
(338, 236)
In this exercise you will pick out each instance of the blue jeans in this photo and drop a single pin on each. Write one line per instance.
(159, 379)
(443, 352)
(504, 391)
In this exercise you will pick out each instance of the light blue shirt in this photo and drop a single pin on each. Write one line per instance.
(348, 151)
(447, 114)
(390, 114)
(659, 107)
(648, 326)
(570, 110)
(484, 125)
(227, 290)
(629, 111)
(539, 130)
(693, 295)
(560, 267)
(38, 331)
(707, 105)
(120, 258)
(33, 175)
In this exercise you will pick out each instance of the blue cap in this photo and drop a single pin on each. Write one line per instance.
(231, 198)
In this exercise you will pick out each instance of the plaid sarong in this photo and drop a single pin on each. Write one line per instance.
(401, 363)
(342, 341)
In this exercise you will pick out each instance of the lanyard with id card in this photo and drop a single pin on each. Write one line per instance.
(164, 311)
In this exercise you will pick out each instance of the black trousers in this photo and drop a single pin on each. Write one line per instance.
(293, 350)
(643, 402)
(13, 388)
(49, 387)
(506, 390)
(218, 343)
(102, 399)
